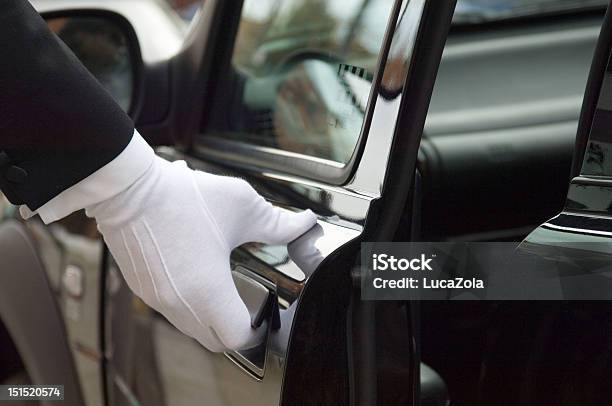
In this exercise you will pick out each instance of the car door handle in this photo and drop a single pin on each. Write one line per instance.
(262, 304)
(257, 297)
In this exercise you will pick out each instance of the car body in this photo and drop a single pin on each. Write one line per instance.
(366, 162)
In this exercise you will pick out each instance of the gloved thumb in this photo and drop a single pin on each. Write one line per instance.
(274, 225)
(243, 215)
(270, 224)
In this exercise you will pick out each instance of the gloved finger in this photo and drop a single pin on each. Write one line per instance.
(200, 300)
(273, 225)
(244, 215)
(222, 311)
(237, 334)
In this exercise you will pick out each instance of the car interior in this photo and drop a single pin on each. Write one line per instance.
(494, 163)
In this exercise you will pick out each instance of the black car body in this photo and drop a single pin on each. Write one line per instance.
(315, 118)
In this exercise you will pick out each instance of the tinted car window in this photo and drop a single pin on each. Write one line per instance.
(480, 11)
(598, 155)
(301, 75)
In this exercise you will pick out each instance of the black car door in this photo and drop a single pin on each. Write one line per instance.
(320, 105)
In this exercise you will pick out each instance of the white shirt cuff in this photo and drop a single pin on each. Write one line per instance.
(106, 182)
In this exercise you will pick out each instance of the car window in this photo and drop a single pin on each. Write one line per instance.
(186, 9)
(480, 11)
(587, 195)
(301, 74)
(598, 155)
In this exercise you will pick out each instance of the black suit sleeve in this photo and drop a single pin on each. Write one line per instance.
(57, 124)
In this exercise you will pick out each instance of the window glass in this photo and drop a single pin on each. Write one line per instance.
(301, 75)
(482, 11)
(186, 9)
(598, 154)
(102, 47)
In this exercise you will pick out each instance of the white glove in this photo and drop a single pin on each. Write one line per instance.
(172, 231)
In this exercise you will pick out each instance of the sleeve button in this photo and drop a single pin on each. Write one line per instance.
(15, 174)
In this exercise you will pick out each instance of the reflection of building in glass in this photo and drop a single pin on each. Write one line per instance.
(304, 70)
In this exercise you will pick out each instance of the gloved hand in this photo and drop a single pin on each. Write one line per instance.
(172, 231)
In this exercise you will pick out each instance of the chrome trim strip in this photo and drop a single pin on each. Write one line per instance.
(268, 150)
(245, 365)
(580, 214)
(577, 230)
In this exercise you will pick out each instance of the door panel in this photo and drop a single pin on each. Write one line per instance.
(307, 359)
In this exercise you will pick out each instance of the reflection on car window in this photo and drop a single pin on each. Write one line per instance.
(301, 75)
(186, 9)
(102, 48)
(480, 11)
(598, 154)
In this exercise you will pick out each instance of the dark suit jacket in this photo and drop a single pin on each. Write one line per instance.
(57, 124)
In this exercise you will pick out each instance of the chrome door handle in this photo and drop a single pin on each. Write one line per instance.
(254, 295)
(259, 297)
(262, 304)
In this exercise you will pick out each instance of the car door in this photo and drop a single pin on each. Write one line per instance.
(320, 105)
